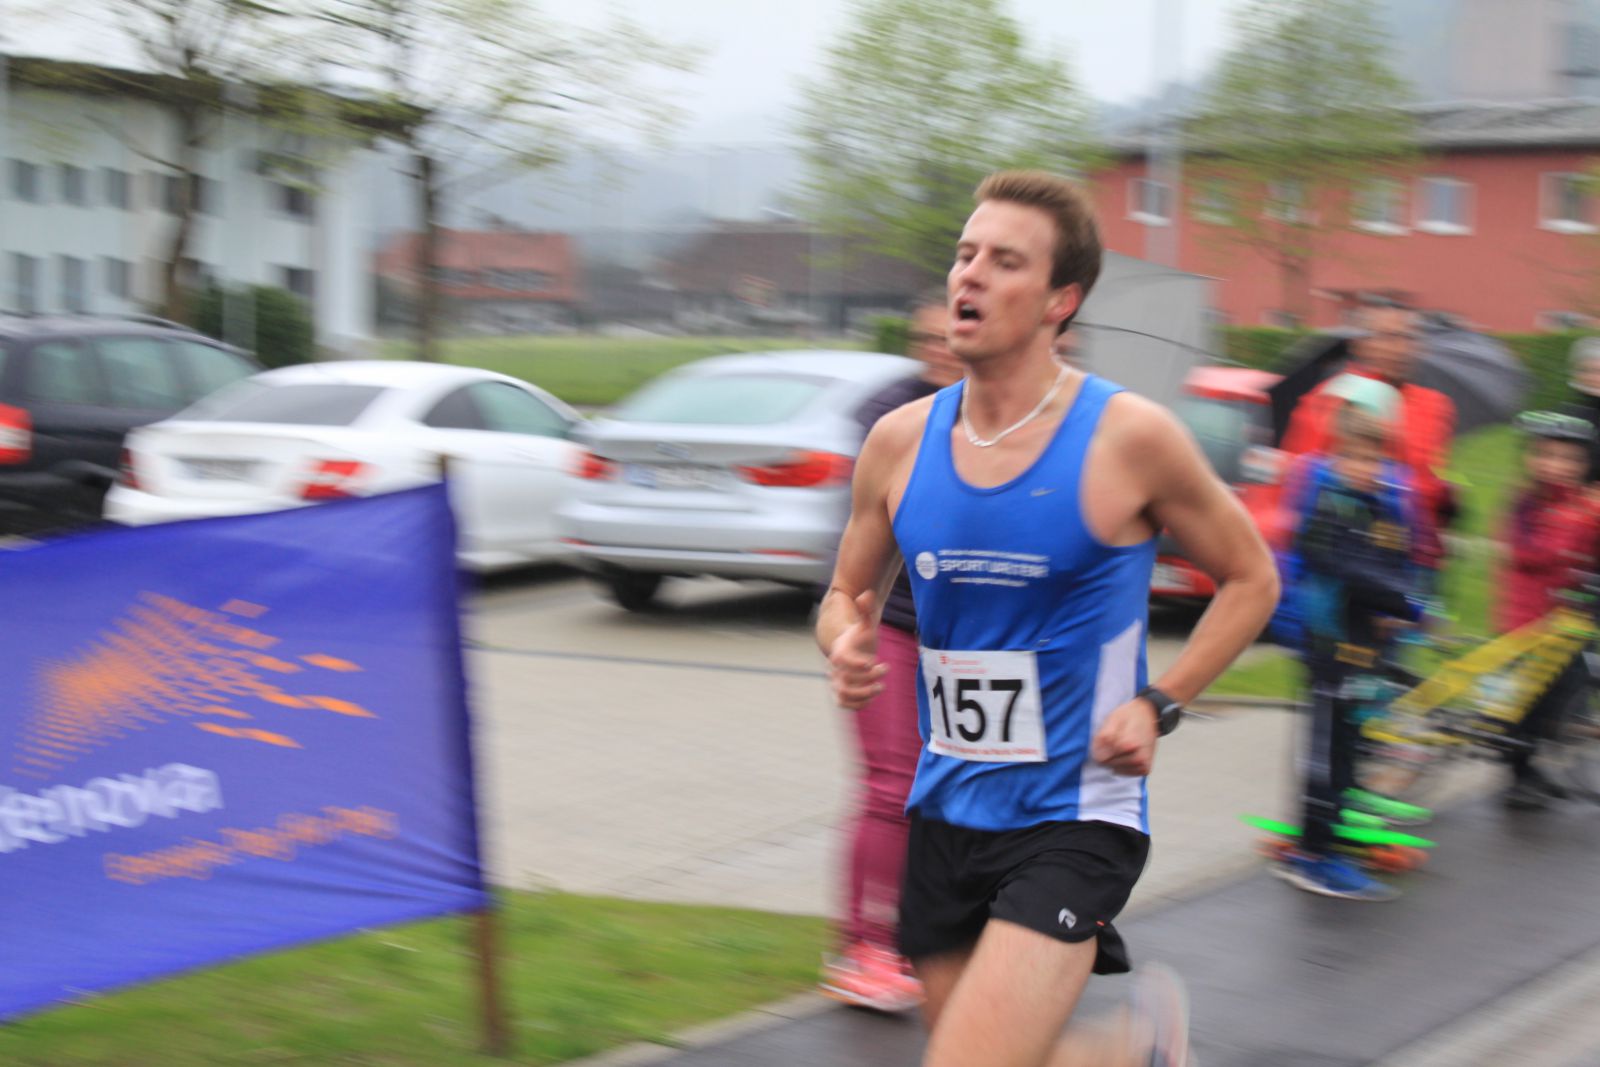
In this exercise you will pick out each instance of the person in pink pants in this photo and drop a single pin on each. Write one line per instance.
(867, 970)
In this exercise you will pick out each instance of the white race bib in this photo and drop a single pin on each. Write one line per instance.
(984, 706)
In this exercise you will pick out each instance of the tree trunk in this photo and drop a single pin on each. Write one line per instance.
(427, 307)
(174, 296)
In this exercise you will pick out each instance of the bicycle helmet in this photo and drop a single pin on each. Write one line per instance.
(1555, 426)
(1376, 398)
(1584, 352)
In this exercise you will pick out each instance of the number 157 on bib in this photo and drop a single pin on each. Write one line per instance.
(984, 706)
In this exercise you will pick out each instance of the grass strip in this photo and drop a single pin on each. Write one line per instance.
(582, 974)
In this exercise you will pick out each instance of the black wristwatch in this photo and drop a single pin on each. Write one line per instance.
(1168, 711)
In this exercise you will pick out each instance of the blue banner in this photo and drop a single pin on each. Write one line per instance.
(229, 735)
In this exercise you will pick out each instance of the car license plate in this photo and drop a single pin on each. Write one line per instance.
(1169, 578)
(219, 470)
(676, 476)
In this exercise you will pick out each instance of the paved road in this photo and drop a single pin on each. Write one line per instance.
(1491, 958)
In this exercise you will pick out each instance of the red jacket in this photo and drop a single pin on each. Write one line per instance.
(1551, 533)
(1426, 432)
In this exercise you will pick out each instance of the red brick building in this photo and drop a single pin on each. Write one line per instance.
(500, 281)
(1492, 224)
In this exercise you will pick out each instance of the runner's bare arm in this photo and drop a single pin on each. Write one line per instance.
(847, 623)
(1217, 536)
(1200, 512)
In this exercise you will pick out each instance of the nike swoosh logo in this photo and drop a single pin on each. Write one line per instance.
(1042, 492)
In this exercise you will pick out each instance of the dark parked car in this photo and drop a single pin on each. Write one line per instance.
(71, 387)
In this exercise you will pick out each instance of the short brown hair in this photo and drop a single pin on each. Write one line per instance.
(1078, 251)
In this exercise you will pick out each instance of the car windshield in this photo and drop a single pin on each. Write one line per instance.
(721, 399)
(318, 404)
(1224, 428)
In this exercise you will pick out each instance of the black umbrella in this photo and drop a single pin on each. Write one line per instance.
(1479, 374)
(1487, 382)
(1311, 361)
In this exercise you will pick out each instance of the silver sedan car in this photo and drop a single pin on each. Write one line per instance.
(734, 466)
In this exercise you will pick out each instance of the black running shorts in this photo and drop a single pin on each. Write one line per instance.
(1066, 880)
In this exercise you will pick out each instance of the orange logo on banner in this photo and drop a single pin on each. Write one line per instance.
(167, 660)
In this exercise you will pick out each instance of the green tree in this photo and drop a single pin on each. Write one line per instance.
(492, 80)
(916, 102)
(1304, 118)
(188, 53)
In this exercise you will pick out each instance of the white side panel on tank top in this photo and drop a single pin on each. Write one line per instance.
(1102, 795)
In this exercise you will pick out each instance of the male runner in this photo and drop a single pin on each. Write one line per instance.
(1026, 502)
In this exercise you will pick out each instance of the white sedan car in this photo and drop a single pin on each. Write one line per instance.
(297, 435)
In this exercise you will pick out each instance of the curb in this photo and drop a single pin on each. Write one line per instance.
(639, 1053)
(1548, 1020)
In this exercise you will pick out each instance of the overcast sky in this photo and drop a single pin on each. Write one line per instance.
(757, 51)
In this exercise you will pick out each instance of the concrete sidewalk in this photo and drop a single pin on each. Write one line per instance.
(697, 759)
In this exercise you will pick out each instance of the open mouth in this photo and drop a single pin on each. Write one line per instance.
(966, 311)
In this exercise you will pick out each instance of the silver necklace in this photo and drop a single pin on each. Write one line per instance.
(966, 423)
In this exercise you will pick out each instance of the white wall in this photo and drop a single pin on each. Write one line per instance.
(246, 239)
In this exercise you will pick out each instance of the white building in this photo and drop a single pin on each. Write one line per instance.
(85, 218)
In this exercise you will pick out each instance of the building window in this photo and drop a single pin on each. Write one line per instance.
(74, 185)
(207, 195)
(454, 277)
(1286, 200)
(193, 273)
(25, 282)
(1444, 206)
(1564, 203)
(1562, 320)
(169, 189)
(300, 282)
(202, 193)
(1149, 202)
(518, 281)
(1211, 201)
(1580, 63)
(119, 277)
(1378, 207)
(116, 183)
(25, 184)
(295, 200)
(74, 280)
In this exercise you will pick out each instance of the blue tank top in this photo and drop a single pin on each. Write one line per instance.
(1013, 569)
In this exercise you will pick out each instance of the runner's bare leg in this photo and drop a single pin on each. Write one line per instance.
(939, 975)
(1009, 1004)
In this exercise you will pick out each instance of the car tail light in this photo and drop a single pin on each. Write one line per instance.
(127, 475)
(594, 467)
(802, 470)
(333, 479)
(16, 435)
